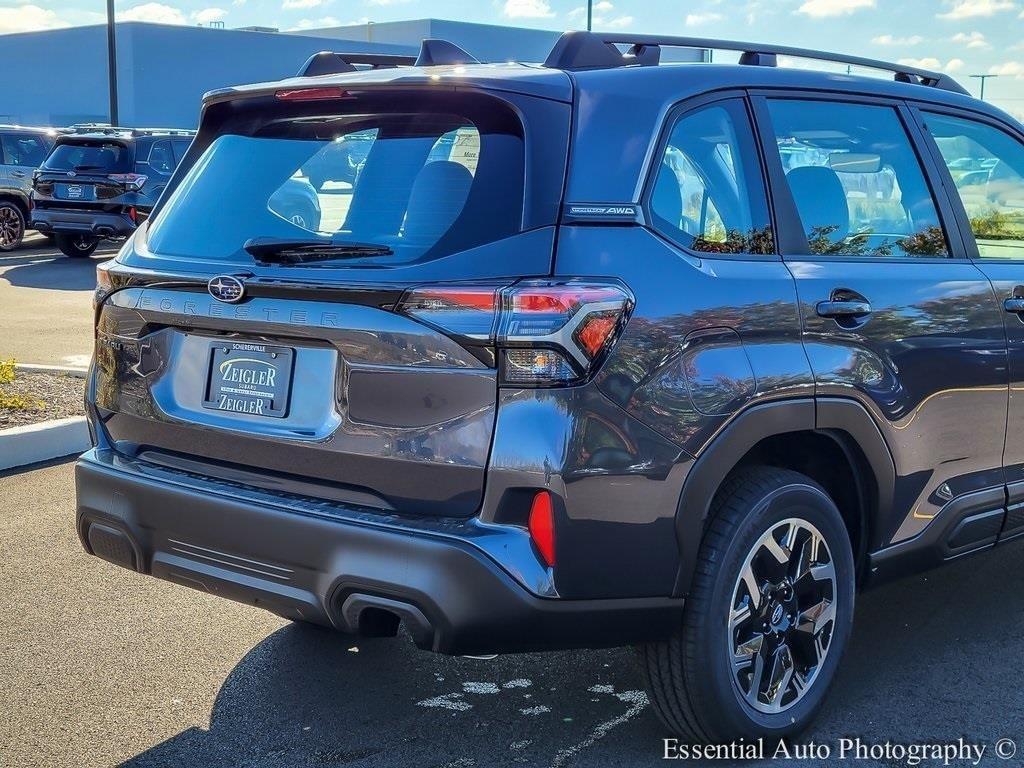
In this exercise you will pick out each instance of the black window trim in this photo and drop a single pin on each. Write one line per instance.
(919, 110)
(672, 116)
(791, 238)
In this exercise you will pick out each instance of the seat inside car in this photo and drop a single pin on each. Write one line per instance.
(437, 198)
(821, 200)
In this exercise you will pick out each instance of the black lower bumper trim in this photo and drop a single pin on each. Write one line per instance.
(451, 596)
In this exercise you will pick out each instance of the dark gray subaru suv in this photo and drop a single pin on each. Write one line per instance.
(589, 353)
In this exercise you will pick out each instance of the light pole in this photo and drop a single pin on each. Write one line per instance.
(590, 14)
(112, 61)
(983, 78)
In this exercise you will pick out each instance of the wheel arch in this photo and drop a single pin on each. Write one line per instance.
(18, 198)
(833, 440)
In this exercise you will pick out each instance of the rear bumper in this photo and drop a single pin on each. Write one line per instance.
(450, 595)
(97, 223)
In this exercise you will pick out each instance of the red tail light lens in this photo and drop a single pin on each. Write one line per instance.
(548, 333)
(542, 526)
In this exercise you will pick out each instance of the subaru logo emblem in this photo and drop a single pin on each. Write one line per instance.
(226, 288)
(71, 173)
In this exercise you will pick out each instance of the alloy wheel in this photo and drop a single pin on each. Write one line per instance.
(782, 616)
(12, 227)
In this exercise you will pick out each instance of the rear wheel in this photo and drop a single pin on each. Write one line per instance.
(12, 226)
(76, 246)
(768, 616)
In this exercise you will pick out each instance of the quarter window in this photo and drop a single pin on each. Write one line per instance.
(708, 193)
(987, 166)
(857, 183)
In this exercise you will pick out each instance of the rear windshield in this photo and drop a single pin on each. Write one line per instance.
(421, 177)
(99, 156)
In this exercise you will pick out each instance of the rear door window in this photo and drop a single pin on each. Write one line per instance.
(161, 158)
(856, 180)
(419, 183)
(97, 156)
(708, 193)
(22, 149)
(987, 166)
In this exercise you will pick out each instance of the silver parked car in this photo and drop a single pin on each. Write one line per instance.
(22, 150)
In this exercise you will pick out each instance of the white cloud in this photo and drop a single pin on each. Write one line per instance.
(28, 18)
(820, 9)
(324, 21)
(971, 39)
(292, 5)
(966, 9)
(527, 9)
(388, 2)
(930, 62)
(618, 22)
(207, 15)
(899, 41)
(1008, 69)
(156, 13)
(696, 19)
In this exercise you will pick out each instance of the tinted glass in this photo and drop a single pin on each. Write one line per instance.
(161, 159)
(856, 180)
(23, 149)
(180, 148)
(92, 156)
(708, 194)
(987, 166)
(422, 184)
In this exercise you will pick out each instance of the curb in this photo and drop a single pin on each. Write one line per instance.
(70, 370)
(47, 440)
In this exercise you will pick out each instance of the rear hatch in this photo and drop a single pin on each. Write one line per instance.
(84, 173)
(276, 333)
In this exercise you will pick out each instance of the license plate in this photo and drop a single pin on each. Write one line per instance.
(75, 191)
(254, 379)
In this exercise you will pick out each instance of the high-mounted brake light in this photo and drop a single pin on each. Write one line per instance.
(312, 94)
(542, 526)
(548, 333)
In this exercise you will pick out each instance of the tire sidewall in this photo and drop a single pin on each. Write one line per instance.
(726, 711)
(66, 245)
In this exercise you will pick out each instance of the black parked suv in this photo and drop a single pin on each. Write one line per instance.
(101, 183)
(597, 352)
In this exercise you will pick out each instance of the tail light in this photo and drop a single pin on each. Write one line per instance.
(104, 284)
(547, 332)
(132, 182)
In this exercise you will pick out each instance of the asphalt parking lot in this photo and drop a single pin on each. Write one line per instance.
(104, 667)
(45, 300)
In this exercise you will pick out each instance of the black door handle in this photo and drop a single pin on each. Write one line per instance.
(18, 174)
(1014, 304)
(848, 308)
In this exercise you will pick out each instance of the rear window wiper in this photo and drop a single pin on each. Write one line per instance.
(276, 251)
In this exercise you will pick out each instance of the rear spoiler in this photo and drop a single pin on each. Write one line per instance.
(432, 53)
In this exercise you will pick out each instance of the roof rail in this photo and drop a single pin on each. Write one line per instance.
(116, 130)
(433, 52)
(593, 50)
(334, 63)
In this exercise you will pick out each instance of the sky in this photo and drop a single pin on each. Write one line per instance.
(962, 37)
